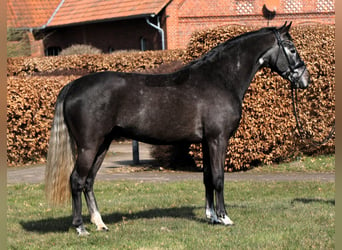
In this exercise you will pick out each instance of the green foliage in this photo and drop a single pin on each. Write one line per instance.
(17, 43)
(15, 34)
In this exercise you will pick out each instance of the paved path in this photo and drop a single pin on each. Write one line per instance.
(118, 165)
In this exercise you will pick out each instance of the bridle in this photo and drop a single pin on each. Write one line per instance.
(288, 74)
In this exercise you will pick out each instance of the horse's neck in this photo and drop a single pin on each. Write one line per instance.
(244, 75)
(238, 65)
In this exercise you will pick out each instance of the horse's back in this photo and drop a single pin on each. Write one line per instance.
(136, 105)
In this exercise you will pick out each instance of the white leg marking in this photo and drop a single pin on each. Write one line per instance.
(211, 215)
(81, 231)
(226, 221)
(97, 220)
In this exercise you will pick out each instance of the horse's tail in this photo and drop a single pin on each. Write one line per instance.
(60, 158)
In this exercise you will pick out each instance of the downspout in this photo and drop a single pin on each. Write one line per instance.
(160, 30)
(135, 144)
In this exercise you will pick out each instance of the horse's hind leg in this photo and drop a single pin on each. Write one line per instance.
(89, 192)
(78, 179)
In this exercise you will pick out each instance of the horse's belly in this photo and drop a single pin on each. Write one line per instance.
(161, 125)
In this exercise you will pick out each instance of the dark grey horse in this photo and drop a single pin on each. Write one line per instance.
(200, 103)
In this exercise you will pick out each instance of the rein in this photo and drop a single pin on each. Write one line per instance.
(303, 134)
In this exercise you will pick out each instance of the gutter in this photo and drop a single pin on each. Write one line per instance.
(160, 30)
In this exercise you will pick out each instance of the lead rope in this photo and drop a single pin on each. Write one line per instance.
(304, 134)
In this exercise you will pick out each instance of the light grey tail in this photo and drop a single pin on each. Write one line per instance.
(60, 158)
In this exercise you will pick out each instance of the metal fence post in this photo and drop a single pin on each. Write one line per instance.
(135, 149)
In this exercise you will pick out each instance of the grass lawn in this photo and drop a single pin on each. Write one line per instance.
(147, 215)
(306, 164)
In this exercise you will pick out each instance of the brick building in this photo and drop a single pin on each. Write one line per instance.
(112, 25)
(187, 16)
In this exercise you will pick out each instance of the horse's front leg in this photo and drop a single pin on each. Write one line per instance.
(209, 187)
(217, 153)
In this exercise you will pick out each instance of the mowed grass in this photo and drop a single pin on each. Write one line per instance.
(305, 164)
(170, 215)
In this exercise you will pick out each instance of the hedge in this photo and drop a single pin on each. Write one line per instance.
(267, 131)
(33, 85)
(30, 106)
(83, 64)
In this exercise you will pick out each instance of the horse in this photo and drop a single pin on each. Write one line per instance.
(198, 103)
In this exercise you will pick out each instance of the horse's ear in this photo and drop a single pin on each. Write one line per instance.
(284, 28)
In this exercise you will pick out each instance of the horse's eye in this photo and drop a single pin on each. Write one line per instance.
(292, 50)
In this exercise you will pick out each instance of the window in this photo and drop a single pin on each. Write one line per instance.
(142, 44)
(244, 7)
(293, 6)
(52, 51)
(325, 6)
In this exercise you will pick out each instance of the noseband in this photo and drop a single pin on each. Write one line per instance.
(291, 68)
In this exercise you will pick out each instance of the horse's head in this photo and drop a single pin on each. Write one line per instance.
(285, 60)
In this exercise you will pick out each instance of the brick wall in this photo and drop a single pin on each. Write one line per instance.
(37, 47)
(188, 16)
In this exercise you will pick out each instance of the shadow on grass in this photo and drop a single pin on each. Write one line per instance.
(313, 200)
(62, 224)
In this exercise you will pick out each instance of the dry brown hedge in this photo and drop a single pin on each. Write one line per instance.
(30, 105)
(33, 85)
(82, 64)
(267, 130)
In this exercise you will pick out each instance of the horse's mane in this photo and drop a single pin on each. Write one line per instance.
(213, 53)
(179, 76)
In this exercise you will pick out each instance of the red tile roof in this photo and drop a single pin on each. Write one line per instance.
(79, 11)
(36, 13)
(29, 13)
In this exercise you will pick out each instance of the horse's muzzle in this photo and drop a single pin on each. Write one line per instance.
(300, 78)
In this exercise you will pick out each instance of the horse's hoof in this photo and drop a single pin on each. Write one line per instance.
(81, 231)
(225, 221)
(213, 222)
(214, 219)
(103, 229)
